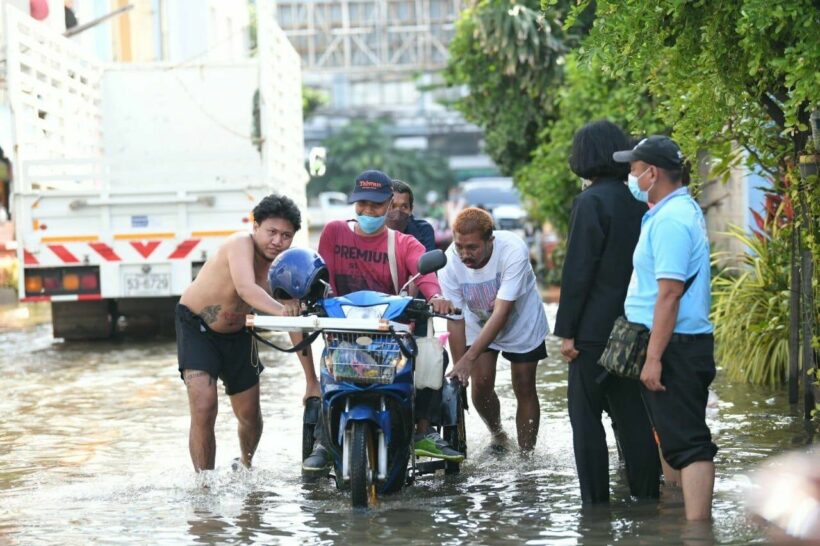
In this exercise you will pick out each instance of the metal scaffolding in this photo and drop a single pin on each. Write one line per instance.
(359, 37)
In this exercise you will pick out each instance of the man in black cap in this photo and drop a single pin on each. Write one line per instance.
(356, 255)
(669, 294)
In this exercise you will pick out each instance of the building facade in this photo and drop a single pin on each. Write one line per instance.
(377, 58)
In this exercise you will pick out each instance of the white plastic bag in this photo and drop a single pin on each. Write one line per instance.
(430, 361)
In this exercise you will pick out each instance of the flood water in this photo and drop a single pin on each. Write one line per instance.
(93, 450)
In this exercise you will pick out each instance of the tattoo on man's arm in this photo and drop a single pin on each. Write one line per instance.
(210, 314)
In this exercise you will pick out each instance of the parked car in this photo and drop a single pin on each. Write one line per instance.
(500, 198)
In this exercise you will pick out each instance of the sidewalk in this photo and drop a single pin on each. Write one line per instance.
(14, 316)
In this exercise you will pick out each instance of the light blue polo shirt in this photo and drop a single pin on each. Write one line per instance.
(673, 245)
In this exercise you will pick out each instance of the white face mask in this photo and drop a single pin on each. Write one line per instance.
(637, 192)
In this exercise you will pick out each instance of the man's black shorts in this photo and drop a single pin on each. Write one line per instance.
(537, 354)
(231, 357)
(679, 413)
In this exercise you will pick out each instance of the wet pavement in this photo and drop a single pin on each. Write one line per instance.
(93, 450)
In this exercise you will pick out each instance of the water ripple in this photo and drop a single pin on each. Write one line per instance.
(93, 449)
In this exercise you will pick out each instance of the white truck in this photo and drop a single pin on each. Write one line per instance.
(330, 206)
(127, 177)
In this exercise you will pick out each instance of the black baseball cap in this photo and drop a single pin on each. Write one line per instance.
(657, 150)
(372, 186)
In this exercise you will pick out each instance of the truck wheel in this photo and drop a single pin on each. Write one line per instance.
(362, 486)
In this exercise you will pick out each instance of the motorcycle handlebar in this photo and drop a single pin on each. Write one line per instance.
(423, 306)
(458, 315)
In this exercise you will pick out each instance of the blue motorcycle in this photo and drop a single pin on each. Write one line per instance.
(367, 379)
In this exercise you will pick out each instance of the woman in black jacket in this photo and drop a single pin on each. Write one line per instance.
(604, 229)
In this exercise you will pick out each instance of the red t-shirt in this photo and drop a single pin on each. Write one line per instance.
(38, 9)
(357, 263)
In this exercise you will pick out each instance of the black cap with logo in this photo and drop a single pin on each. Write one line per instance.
(657, 150)
(372, 186)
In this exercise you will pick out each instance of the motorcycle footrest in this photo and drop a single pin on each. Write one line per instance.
(429, 467)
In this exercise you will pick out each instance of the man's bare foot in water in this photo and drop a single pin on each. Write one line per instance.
(237, 464)
(499, 444)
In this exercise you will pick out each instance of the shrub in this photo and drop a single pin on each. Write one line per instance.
(750, 309)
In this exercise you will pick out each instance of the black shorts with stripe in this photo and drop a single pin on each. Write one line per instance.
(231, 357)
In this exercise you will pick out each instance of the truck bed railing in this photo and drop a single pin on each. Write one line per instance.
(99, 176)
(207, 200)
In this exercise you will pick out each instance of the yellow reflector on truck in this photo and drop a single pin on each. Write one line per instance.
(34, 283)
(71, 281)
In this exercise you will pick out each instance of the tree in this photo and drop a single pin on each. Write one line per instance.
(586, 94)
(530, 93)
(363, 145)
(508, 55)
(743, 72)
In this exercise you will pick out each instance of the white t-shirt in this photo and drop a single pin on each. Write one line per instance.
(508, 276)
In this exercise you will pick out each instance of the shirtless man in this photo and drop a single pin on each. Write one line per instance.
(211, 337)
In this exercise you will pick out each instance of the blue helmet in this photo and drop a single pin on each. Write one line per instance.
(297, 273)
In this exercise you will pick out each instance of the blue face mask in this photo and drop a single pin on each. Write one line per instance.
(370, 224)
(637, 192)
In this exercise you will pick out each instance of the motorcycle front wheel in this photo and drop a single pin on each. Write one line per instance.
(362, 463)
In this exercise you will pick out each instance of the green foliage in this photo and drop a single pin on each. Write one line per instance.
(253, 19)
(312, 100)
(530, 93)
(586, 94)
(723, 73)
(363, 145)
(508, 54)
(551, 276)
(750, 311)
(735, 79)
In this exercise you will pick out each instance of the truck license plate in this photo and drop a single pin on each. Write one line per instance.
(146, 284)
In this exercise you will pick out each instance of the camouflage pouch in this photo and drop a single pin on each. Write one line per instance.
(625, 351)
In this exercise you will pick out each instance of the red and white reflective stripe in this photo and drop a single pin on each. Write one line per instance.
(183, 249)
(64, 254)
(110, 253)
(145, 249)
(29, 258)
(63, 297)
(105, 251)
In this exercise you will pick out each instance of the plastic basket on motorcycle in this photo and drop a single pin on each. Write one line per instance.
(363, 357)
